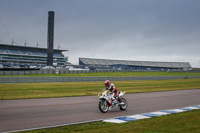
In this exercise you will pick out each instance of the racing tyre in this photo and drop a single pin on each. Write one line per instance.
(124, 104)
(103, 106)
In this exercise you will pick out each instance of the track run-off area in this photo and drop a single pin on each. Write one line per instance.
(40, 113)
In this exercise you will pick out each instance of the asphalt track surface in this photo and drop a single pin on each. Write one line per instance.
(35, 113)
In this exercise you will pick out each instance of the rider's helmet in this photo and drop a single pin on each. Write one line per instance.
(107, 84)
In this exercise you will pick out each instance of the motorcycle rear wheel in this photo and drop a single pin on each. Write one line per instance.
(103, 106)
(125, 105)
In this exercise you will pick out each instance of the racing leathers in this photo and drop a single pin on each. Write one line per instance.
(114, 90)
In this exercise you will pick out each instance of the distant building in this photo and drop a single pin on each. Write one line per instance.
(23, 56)
(134, 65)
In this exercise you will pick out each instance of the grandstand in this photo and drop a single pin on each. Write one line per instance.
(14, 56)
(134, 65)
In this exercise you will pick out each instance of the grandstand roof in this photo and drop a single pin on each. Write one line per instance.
(26, 47)
(108, 62)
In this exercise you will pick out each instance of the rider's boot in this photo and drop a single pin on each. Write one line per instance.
(119, 99)
(115, 101)
(111, 105)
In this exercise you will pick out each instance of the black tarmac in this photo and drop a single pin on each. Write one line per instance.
(35, 113)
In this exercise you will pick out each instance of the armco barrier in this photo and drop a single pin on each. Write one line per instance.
(85, 79)
(66, 71)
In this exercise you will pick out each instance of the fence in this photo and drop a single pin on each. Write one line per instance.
(85, 79)
(26, 72)
(65, 71)
(53, 71)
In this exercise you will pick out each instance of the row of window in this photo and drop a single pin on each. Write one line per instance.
(31, 58)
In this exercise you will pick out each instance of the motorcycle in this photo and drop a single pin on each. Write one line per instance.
(105, 98)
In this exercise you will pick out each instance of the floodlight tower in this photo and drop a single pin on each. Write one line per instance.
(50, 38)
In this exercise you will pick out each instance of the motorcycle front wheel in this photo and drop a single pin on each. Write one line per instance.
(103, 106)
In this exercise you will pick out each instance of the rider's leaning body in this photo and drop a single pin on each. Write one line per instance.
(110, 86)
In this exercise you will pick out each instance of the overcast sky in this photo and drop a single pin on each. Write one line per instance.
(141, 30)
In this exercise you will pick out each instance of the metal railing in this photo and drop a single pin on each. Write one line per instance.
(66, 71)
(86, 79)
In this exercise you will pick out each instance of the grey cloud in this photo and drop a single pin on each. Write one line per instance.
(124, 29)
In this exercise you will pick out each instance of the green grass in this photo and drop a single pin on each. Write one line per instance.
(108, 74)
(66, 89)
(186, 122)
(174, 123)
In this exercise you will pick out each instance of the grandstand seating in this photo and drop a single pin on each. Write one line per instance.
(12, 54)
(135, 64)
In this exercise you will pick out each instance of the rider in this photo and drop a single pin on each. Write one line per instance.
(110, 86)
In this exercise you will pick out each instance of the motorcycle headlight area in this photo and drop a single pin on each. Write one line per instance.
(100, 95)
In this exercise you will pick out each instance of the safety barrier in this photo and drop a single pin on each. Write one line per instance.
(86, 79)
(66, 71)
